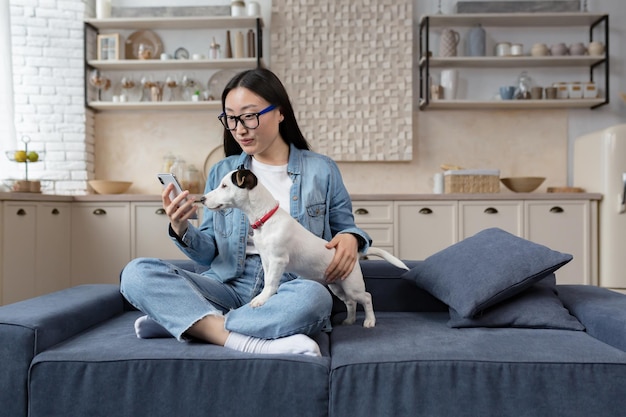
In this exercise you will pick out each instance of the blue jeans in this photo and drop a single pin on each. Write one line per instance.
(176, 299)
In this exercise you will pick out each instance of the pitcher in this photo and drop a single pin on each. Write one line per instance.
(448, 42)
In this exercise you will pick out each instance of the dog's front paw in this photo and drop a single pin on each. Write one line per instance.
(259, 300)
(348, 321)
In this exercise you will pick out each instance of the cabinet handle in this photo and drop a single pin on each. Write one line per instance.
(55, 211)
(491, 210)
(361, 211)
(426, 210)
(99, 212)
(556, 209)
(160, 211)
(21, 212)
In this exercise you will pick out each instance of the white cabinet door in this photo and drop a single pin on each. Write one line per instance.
(564, 226)
(100, 242)
(53, 247)
(149, 233)
(423, 228)
(475, 216)
(18, 258)
(376, 219)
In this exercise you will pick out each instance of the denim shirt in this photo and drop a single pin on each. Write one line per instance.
(319, 201)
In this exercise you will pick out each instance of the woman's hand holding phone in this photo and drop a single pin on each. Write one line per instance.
(179, 210)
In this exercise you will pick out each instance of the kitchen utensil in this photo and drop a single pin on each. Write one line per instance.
(540, 49)
(559, 49)
(517, 49)
(577, 49)
(503, 49)
(216, 155)
(507, 92)
(218, 81)
(536, 93)
(146, 37)
(110, 187)
(522, 184)
(596, 48)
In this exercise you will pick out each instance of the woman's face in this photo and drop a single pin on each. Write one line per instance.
(264, 142)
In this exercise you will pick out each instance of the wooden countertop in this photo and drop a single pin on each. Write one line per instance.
(14, 196)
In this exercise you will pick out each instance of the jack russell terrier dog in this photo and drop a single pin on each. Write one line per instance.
(286, 246)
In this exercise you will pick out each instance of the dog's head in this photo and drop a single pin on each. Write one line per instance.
(232, 190)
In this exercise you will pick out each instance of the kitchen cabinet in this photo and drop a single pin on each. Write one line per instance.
(567, 227)
(428, 62)
(100, 242)
(424, 227)
(167, 27)
(376, 218)
(35, 249)
(149, 233)
(475, 216)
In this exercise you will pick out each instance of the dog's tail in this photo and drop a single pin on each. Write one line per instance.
(387, 256)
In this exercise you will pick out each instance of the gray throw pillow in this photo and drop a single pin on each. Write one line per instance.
(537, 307)
(485, 269)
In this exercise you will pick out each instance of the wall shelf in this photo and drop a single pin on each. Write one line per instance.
(152, 23)
(513, 61)
(158, 105)
(590, 21)
(97, 26)
(513, 104)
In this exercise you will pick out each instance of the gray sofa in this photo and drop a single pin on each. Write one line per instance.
(74, 353)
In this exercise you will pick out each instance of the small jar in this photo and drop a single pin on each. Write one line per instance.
(179, 169)
(503, 49)
(194, 180)
(214, 50)
(237, 8)
(168, 161)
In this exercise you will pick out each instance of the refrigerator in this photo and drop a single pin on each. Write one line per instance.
(599, 166)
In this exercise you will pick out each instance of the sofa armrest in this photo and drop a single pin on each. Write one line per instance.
(31, 326)
(600, 310)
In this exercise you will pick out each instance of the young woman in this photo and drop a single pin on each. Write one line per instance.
(260, 134)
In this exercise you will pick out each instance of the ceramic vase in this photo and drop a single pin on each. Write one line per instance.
(476, 41)
(449, 81)
(448, 42)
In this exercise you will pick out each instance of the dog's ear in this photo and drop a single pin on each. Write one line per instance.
(244, 178)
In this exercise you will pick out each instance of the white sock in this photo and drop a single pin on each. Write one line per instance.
(297, 343)
(146, 328)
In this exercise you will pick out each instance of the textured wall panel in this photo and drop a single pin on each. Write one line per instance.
(347, 67)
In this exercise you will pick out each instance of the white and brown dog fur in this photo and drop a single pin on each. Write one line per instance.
(286, 246)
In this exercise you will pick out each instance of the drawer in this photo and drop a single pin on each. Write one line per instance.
(372, 211)
(381, 234)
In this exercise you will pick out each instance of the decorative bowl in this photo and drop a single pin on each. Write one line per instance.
(110, 187)
(522, 184)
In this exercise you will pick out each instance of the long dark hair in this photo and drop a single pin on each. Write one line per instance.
(265, 84)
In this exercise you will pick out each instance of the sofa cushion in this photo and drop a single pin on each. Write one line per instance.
(413, 364)
(537, 307)
(485, 269)
(107, 371)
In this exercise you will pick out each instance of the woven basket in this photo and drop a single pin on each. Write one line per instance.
(471, 184)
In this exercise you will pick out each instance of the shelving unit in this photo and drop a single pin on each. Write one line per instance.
(97, 26)
(550, 20)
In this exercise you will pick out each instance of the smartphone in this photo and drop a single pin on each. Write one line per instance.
(166, 179)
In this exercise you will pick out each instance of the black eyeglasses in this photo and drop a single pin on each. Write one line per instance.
(247, 120)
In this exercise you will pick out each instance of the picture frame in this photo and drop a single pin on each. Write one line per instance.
(109, 46)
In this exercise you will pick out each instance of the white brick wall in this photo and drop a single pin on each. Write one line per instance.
(48, 79)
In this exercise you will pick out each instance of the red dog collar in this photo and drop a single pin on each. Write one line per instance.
(265, 218)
